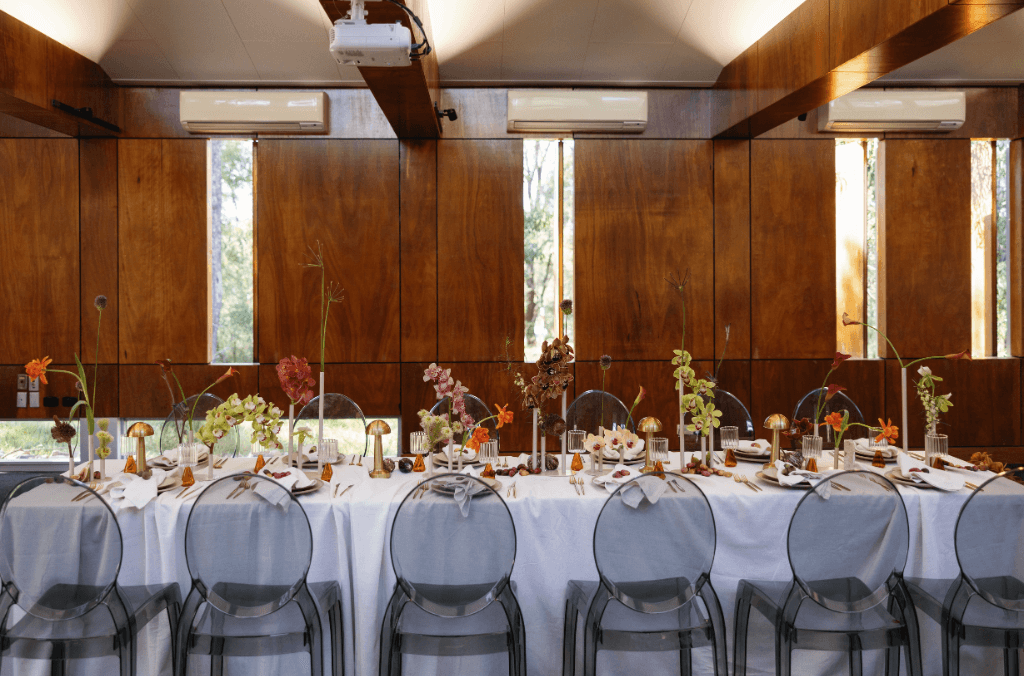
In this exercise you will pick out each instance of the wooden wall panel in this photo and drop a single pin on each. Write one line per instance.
(856, 27)
(490, 381)
(793, 245)
(793, 54)
(480, 253)
(778, 385)
(143, 393)
(98, 164)
(374, 387)
(419, 249)
(925, 257)
(644, 213)
(986, 401)
(162, 251)
(732, 247)
(343, 194)
(39, 240)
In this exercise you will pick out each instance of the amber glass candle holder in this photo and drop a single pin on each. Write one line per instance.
(811, 447)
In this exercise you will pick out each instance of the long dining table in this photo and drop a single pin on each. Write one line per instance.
(554, 529)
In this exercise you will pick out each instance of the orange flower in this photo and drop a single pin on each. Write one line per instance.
(848, 321)
(232, 371)
(504, 416)
(840, 358)
(889, 431)
(480, 435)
(835, 419)
(966, 354)
(37, 369)
(833, 390)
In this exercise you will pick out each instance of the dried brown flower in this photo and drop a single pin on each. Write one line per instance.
(552, 424)
(566, 307)
(100, 302)
(62, 431)
(606, 362)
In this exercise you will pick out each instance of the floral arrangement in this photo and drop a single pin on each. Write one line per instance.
(826, 391)
(329, 293)
(296, 379)
(38, 368)
(933, 404)
(265, 419)
(63, 433)
(167, 372)
(966, 354)
(457, 421)
(840, 422)
(703, 413)
(303, 434)
(104, 437)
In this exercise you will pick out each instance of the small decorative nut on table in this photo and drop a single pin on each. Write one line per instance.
(650, 426)
(776, 422)
(378, 428)
(140, 431)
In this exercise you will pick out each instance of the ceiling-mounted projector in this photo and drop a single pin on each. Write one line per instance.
(357, 43)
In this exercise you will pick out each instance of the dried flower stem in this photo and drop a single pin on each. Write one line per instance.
(329, 293)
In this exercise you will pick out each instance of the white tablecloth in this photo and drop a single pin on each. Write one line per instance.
(554, 527)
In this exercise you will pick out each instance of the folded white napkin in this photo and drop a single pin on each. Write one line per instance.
(755, 447)
(469, 455)
(294, 479)
(172, 456)
(628, 453)
(612, 483)
(946, 481)
(796, 476)
(864, 448)
(135, 490)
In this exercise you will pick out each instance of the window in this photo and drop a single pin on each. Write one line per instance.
(29, 441)
(231, 269)
(990, 245)
(856, 244)
(548, 207)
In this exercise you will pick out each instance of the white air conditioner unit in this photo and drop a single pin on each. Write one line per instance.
(564, 111)
(880, 110)
(210, 112)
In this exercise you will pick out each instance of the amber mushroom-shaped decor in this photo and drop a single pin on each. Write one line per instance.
(140, 431)
(649, 426)
(378, 428)
(776, 422)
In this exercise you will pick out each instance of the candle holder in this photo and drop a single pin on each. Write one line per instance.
(776, 422)
(378, 428)
(139, 431)
(649, 426)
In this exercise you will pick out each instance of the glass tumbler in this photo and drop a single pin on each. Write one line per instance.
(935, 447)
(811, 447)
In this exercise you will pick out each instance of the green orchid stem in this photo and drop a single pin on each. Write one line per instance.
(192, 413)
(821, 402)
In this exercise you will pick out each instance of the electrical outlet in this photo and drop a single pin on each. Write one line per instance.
(33, 385)
(22, 399)
(33, 400)
(22, 381)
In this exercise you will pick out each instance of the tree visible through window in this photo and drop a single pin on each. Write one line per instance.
(231, 251)
(549, 238)
(990, 248)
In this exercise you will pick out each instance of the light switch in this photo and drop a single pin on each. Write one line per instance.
(33, 400)
(22, 381)
(22, 399)
(33, 386)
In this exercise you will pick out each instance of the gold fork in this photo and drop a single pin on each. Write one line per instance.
(737, 479)
(84, 494)
(743, 477)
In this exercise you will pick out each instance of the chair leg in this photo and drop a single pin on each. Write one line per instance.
(337, 638)
(721, 654)
(589, 648)
(892, 661)
(569, 641)
(184, 630)
(58, 667)
(739, 661)
(311, 614)
(954, 651)
(1011, 662)
(784, 650)
(387, 633)
(856, 663)
(216, 665)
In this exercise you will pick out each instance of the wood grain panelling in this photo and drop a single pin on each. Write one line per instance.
(12, 127)
(732, 247)
(778, 385)
(986, 401)
(488, 380)
(143, 393)
(856, 27)
(353, 113)
(1017, 247)
(794, 53)
(22, 61)
(644, 213)
(419, 250)
(925, 258)
(98, 165)
(162, 251)
(733, 99)
(374, 387)
(76, 81)
(480, 253)
(343, 194)
(39, 240)
(793, 249)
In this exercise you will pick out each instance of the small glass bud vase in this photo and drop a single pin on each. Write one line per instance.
(811, 447)
(935, 448)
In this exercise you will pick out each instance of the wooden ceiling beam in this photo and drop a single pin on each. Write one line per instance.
(827, 48)
(406, 95)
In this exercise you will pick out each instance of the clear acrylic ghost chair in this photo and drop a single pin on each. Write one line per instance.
(654, 563)
(984, 606)
(847, 550)
(453, 596)
(594, 409)
(343, 420)
(733, 413)
(60, 561)
(175, 428)
(839, 402)
(248, 557)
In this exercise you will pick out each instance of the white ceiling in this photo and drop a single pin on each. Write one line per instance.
(478, 42)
